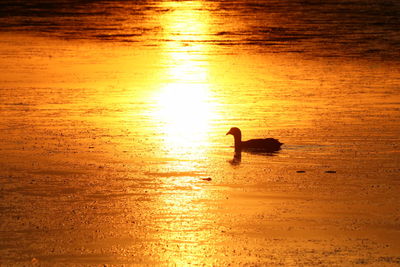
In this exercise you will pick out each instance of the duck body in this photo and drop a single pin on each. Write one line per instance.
(266, 145)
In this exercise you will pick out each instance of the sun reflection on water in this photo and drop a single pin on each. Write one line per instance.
(184, 113)
(183, 105)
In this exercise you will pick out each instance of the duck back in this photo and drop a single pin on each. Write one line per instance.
(267, 145)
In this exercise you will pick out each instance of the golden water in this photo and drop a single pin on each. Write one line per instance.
(115, 152)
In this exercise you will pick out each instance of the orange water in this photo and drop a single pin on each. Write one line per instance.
(107, 146)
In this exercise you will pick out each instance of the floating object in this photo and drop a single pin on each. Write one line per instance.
(206, 179)
(330, 171)
(300, 171)
(254, 145)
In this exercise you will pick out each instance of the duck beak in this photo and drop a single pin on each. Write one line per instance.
(228, 132)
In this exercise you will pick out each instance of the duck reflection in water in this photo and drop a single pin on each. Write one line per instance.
(267, 146)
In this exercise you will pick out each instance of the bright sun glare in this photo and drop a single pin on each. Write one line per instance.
(182, 104)
(184, 111)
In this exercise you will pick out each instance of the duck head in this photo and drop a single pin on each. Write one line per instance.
(237, 135)
(234, 131)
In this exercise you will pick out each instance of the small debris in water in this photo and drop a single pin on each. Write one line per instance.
(300, 171)
(330, 171)
(207, 179)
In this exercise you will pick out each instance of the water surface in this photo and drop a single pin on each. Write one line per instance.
(113, 122)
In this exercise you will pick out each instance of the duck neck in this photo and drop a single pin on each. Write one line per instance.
(238, 142)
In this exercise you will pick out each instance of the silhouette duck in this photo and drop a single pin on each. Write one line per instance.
(266, 145)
